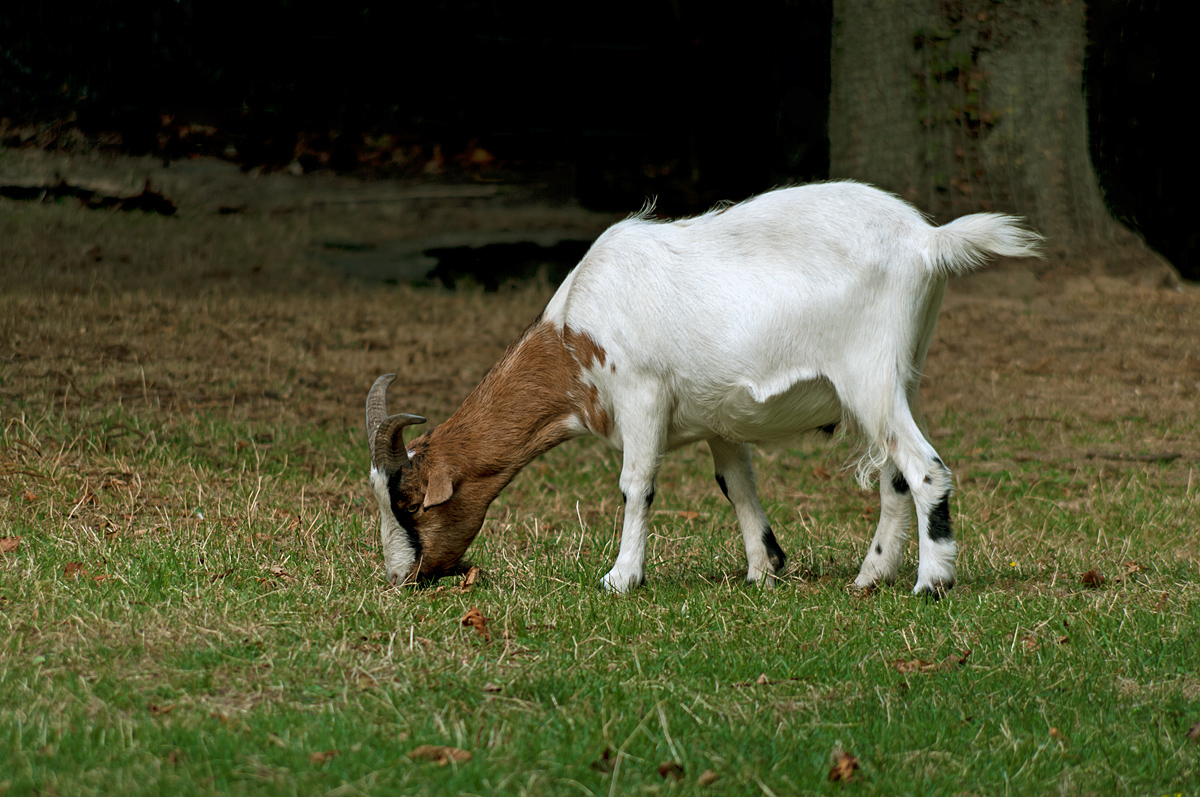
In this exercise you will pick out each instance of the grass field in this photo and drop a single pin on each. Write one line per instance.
(193, 600)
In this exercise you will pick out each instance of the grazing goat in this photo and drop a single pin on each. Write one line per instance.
(799, 309)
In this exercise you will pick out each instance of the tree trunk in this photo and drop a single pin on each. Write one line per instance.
(963, 106)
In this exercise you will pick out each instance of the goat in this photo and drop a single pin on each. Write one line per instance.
(796, 310)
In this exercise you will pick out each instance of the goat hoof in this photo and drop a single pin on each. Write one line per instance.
(619, 586)
(935, 591)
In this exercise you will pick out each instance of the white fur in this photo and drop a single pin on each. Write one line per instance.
(791, 311)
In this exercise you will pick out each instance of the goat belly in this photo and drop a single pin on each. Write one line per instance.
(739, 413)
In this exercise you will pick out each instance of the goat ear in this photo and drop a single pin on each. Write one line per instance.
(439, 489)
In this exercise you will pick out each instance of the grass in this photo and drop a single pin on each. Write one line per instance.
(196, 604)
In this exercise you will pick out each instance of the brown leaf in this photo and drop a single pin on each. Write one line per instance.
(670, 769)
(843, 767)
(821, 473)
(9, 544)
(688, 515)
(762, 680)
(469, 580)
(74, 569)
(476, 620)
(924, 667)
(708, 778)
(493, 688)
(1194, 733)
(1092, 579)
(30, 497)
(1133, 567)
(439, 755)
(1055, 733)
(322, 756)
(160, 708)
(605, 762)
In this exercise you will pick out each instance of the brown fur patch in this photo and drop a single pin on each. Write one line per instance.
(522, 408)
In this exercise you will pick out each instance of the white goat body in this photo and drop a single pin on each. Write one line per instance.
(796, 310)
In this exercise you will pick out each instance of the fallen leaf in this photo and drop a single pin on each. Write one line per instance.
(101, 578)
(1092, 579)
(707, 778)
(75, 569)
(476, 620)
(30, 497)
(844, 766)
(491, 687)
(439, 755)
(924, 667)
(323, 756)
(469, 580)
(688, 515)
(1194, 733)
(9, 544)
(821, 473)
(670, 769)
(605, 762)
(160, 708)
(762, 680)
(1055, 733)
(1133, 567)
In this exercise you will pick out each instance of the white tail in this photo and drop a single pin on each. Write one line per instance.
(967, 243)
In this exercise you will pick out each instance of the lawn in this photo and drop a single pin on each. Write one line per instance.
(193, 599)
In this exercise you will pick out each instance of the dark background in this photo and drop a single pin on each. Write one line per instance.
(691, 102)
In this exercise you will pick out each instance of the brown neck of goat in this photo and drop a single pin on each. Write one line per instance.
(529, 402)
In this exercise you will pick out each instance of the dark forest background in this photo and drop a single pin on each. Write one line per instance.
(691, 102)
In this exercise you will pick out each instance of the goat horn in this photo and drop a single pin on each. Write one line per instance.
(382, 428)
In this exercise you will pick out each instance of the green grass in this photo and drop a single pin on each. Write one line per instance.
(230, 631)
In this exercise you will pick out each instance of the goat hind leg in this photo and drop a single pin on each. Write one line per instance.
(735, 476)
(882, 562)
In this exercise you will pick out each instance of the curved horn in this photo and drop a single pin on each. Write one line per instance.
(385, 432)
(388, 454)
(377, 408)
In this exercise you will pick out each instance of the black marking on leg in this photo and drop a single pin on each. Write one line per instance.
(624, 497)
(724, 487)
(878, 548)
(899, 483)
(829, 428)
(939, 521)
(650, 497)
(775, 554)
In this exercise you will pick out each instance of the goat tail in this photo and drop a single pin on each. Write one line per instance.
(969, 242)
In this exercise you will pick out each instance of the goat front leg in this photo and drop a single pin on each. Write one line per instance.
(735, 476)
(882, 562)
(643, 428)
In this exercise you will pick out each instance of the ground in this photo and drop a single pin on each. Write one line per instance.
(191, 578)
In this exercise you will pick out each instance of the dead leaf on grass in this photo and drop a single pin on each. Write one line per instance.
(1194, 733)
(9, 544)
(74, 570)
(707, 778)
(160, 708)
(844, 765)
(924, 667)
(322, 756)
(670, 769)
(475, 619)
(688, 515)
(762, 680)
(469, 580)
(439, 754)
(605, 762)
(1092, 579)
(30, 497)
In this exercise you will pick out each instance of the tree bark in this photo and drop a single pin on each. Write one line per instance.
(962, 106)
